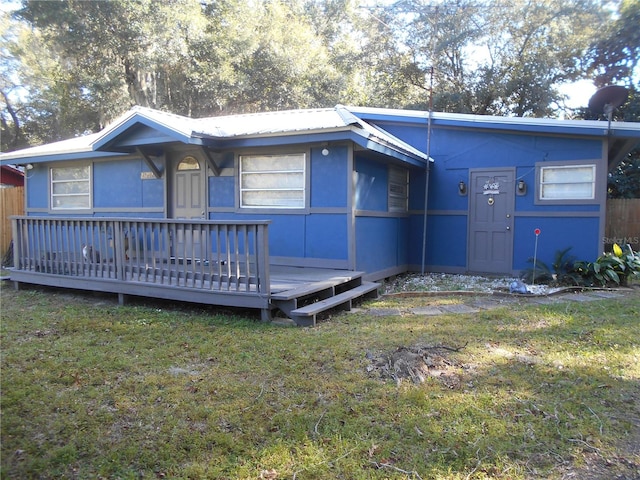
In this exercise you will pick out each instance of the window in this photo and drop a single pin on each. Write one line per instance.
(189, 163)
(71, 187)
(398, 189)
(272, 181)
(567, 182)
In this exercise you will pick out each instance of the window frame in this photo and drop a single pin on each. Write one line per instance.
(88, 180)
(244, 173)
(401, 193)
(566, 166)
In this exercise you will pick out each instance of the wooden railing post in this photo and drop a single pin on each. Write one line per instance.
(17, 241)
(262, 260)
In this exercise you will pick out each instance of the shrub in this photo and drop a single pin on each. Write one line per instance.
(561, 272)
(616, 267)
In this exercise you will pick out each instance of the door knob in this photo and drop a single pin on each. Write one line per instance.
(508, 228)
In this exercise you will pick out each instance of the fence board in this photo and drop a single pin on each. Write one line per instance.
(11, 203)
(623, 222)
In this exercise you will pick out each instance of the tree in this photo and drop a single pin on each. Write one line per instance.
(122, 52)
(83, 63)
(41, 97)
(11, 135)
(498, 57)
(624, 180)
(282, 64)
(615, 59)
(615, 55)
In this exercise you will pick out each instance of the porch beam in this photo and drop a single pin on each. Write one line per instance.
(150, 163)
(208, 154)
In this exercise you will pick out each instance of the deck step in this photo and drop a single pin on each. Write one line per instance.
(303, 290)
(306, 316)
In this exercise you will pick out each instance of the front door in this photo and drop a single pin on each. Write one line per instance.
(491, 204)
(188, 202)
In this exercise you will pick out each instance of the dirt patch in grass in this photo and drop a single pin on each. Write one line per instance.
(418, 363)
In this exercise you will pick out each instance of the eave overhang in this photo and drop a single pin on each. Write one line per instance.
(350, 133)
(78, 148)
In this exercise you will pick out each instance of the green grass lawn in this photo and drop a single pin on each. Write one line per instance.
(91, 389)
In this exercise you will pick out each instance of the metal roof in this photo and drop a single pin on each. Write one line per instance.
(189, 130)
(72, 146)
(269, 123)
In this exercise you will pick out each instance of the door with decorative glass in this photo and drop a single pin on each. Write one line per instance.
(189, 202)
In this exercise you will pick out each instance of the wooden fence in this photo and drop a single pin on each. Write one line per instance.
(11, 203)
(623, 223)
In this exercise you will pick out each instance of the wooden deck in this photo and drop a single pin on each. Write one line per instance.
(215, 263)
(304, 293)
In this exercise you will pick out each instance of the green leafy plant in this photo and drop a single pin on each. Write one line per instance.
(561, 272)
(616, 267)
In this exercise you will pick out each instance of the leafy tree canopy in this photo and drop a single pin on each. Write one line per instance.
(615, 59)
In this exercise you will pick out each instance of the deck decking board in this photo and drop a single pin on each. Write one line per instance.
(307, 290)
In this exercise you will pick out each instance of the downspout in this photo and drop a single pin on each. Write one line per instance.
(426, 175)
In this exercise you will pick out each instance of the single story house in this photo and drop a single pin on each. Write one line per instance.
(305, 210)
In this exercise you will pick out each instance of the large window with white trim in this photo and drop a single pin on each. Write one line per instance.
(567, 182)
(71, 187)
(272, 181)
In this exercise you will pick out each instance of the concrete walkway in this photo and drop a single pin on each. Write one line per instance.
(484, 301)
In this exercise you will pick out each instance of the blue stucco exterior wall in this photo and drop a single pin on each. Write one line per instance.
(383, 239)
(322, 231)
(326, 236)
(382, 243)
(37, 182)
(556, 233)
(371, 186)
(118, 184)
(457, 151)
(329, 177)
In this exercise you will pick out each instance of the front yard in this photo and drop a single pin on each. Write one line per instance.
(91, 389)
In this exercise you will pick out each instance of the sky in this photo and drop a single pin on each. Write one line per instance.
(579, 92)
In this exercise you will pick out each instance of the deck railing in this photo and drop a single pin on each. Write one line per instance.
(195, 254)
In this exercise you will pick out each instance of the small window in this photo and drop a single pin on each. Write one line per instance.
(71, 187)
(567, 182)
(272, 181)
(189, 163)
(398, 189)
